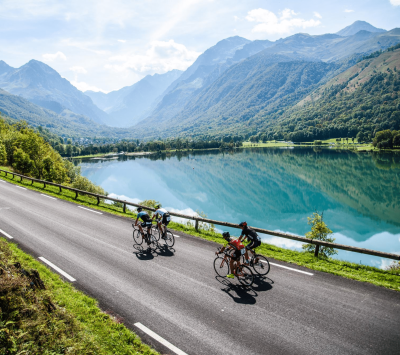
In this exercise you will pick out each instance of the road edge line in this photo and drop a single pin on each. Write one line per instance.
(69, 277)
(290, 268)
(159, 339)
(6, 234)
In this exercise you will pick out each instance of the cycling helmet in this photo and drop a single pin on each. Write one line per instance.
(226, 235)
(242, 224)
(157, 207)
(139, 209)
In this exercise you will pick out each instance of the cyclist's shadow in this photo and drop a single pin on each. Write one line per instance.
(239, 293)
(262, 283)
(144, 253)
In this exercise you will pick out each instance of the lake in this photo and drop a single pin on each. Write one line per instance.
(275, 189)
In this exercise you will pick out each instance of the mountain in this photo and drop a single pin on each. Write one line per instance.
(254, 87)
(66, 124)
(231, 97)
(356, 103)
(131, 104)
(358, 26)
(201, 73)
(43, 86)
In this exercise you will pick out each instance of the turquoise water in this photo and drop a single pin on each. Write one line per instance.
(275, 189)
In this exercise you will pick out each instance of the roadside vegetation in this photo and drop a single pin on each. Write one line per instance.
(42, 314)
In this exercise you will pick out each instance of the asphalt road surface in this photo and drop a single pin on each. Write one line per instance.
(176, 295)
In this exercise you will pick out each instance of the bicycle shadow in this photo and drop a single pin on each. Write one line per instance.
(164, 250)
(261, 284)
(144, 252)
(238, 293)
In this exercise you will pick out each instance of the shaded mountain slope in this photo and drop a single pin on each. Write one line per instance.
(43, 86)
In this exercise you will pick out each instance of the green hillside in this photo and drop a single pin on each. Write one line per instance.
(361, 101)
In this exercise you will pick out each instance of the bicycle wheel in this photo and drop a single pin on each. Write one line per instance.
(261, 267)
(245, 275)
(155, 231)
(137, 237)
(221, 266)
(169, 239)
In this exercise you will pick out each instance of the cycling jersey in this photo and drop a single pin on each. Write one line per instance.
(250, 234)
(236, 244)
(161, 211)
(165, 217)
(239, 249)
(144, 216)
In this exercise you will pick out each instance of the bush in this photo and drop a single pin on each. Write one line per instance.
(84, 184)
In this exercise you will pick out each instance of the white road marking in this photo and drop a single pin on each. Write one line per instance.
(87, 209)
(289, 268)
(20, 187)
(69, 277)
(53, 198)
(2, 180)
(7, 235)
(159, 339)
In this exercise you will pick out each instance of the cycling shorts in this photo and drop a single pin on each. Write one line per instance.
(146, 224)
(253, 244)
(237, 254)
(166, 219)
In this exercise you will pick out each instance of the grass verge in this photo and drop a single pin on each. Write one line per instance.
(53, 317)
(385, 278)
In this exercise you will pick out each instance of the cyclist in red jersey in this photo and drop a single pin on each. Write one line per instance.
(238, 247)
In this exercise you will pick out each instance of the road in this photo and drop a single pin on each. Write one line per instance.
(177, 295)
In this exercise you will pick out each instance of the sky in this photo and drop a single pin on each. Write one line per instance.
(105, 45)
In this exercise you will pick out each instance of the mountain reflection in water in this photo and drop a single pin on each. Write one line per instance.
(275, 189)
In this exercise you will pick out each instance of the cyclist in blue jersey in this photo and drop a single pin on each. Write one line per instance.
(163, 218)
(146, 222)
(251, 236)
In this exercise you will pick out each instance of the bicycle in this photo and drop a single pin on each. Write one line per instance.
(258, 262)
(243, 272)
(169, 239)
(139, 237)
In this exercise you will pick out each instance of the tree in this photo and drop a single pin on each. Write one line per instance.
(22, 162)
(319, 231)
(3, 155)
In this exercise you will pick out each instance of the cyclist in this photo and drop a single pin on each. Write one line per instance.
(238, 247)
(252, 236)
(163, 218)
(146, 222)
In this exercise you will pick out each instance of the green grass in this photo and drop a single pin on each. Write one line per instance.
(55, 320)
(389, 279)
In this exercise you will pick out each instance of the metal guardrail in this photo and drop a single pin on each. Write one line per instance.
(197, 219)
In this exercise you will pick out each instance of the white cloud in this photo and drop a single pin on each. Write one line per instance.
(122, 40)
(50, 57)
(82, 86)
(317, 14)
(272, 24)
(78, 70)
(395, 2)
(347, 10)
(160, 57)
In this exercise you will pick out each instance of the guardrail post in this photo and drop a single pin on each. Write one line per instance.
(98, 200)
(76, 195)
(60, 189)
(196, 226)
(44, 185)
(124, 207)
(31, 182)
(21, 178)
(316, 250)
